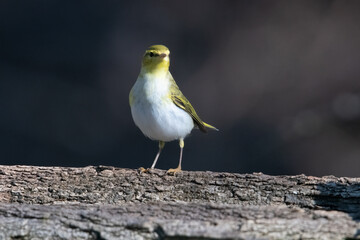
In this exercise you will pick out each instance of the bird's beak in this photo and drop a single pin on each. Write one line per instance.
(163, 55)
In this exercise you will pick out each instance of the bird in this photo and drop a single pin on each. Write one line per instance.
(159, 108)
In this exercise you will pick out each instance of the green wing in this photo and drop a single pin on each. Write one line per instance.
(181, 101)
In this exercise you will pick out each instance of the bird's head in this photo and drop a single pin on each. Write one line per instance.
(156, 58)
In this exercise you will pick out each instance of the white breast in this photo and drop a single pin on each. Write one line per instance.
(155, 113)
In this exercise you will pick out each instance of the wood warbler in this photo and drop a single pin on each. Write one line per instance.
(158, 107)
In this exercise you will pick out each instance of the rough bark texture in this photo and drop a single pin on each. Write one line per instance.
(112, 203)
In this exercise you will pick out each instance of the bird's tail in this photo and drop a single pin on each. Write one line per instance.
(211, 127)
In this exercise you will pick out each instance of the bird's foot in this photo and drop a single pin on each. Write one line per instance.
(145, 170)
(173, 171)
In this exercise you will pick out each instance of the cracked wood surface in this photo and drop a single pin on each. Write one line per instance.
(112, 203)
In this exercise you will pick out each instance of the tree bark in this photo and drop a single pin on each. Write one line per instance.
(114, 203)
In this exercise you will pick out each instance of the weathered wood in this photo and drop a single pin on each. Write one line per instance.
(112, 203)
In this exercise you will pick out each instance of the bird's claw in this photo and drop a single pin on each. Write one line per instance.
(144, 170)
(173, 171)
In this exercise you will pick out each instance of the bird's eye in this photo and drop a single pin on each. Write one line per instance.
(151, 54)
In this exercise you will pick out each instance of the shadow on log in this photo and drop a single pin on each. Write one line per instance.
(112, 203)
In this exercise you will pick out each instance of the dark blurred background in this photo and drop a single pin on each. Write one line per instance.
(280, 79)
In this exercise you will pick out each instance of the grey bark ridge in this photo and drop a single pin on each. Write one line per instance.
(113, 203)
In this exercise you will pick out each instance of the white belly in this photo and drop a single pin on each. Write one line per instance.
(157, 116)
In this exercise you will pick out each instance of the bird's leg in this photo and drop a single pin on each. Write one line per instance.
(178, 169)
(161, 146)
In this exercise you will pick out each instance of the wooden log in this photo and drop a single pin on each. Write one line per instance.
(113, 203)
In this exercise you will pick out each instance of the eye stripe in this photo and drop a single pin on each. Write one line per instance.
(152, 54)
